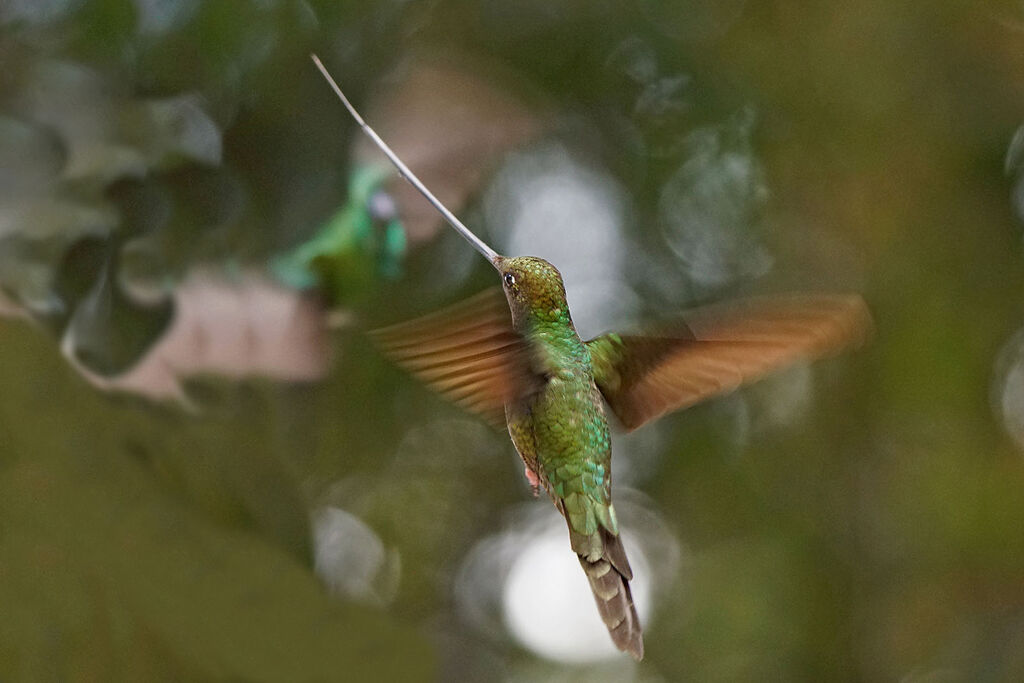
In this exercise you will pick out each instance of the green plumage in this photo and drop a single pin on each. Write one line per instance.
(535, 373)
(562, 434)
(561, 431)
(549, 386)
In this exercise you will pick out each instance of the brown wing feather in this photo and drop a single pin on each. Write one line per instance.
(719, 348)
(468, 352)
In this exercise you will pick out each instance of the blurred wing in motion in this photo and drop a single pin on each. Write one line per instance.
(238, 327)
(449, 123)
(719, 348)
(468, 352)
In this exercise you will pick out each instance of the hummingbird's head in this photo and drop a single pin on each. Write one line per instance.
(534, 289)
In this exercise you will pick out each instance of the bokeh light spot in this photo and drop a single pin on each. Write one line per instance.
(548, 605)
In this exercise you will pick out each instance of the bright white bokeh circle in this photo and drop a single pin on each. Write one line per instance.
(548, 606)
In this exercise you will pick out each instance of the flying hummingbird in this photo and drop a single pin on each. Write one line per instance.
(513, 356)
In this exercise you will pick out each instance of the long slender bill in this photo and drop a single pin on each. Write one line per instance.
(477, 243)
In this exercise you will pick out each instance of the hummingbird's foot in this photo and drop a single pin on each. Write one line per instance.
(531, 477)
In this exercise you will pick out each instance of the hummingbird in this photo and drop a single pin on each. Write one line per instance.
(512, 355)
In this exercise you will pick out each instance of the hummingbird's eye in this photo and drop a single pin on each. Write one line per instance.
(510, 280)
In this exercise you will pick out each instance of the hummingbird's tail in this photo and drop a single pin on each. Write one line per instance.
(609, 580)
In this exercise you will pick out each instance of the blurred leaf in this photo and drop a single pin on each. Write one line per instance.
(109, 571)
(225, 604)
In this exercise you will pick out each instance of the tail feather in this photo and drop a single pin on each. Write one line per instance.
(613, 597)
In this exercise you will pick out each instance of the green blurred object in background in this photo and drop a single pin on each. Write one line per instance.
(350, 251)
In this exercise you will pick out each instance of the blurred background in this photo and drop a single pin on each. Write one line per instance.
(208, 473)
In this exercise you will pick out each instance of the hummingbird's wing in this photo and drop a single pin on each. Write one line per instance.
(468, 352)
(716, 349)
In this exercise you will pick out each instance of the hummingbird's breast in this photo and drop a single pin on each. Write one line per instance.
(570, 429)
